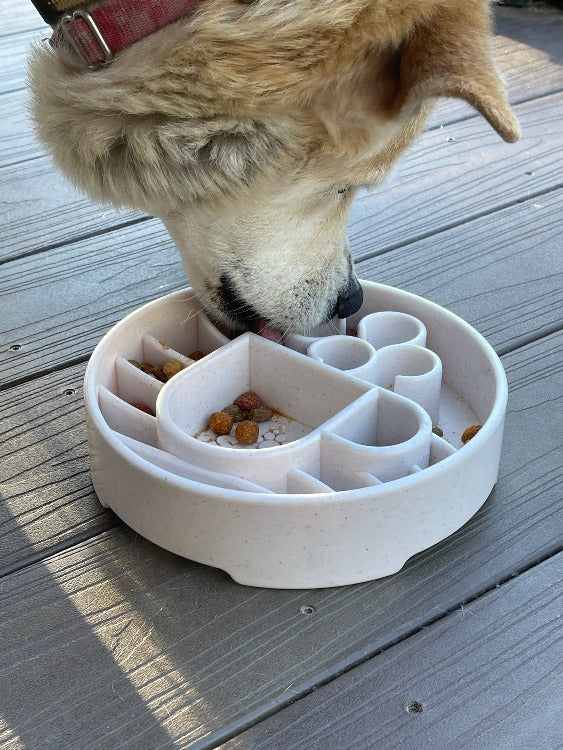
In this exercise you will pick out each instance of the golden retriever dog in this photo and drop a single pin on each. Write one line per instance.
(247, 127)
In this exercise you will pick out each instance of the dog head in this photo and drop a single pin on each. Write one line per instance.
(248, 128)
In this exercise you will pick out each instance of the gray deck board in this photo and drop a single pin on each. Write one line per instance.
(157, 650)
(487, 270)
(107, 641)
(41, 209)
(487, 676)
(46, 495)
(38, 205)
(442, 182)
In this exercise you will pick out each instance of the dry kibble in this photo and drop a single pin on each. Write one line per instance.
(470, 432)
(247, 432)
(236, 412)
(220, 422)
(438, 431)
(144, 366)
(172, 368)
(142, 407)
(261, 414)
(196, 355)
(164, 345)
(248, 401)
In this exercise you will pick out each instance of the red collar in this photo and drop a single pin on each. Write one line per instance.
(98, 35)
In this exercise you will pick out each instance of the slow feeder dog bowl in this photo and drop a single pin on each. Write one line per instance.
(345, 483)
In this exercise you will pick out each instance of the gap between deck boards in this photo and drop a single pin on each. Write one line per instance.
(299, 691)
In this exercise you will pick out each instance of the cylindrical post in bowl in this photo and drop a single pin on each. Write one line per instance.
(347, 353)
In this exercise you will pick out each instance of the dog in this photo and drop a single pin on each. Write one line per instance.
(248, 127)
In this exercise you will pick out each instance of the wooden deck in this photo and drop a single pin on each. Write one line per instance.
(107, 641)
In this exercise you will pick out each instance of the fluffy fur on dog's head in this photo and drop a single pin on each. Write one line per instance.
(247, 129)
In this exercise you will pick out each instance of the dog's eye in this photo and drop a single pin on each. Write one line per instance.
(342, 190)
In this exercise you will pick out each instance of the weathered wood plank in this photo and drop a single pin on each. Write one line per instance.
(40, 208)
(487, 676)
(503, 272)
(527, 50)
(459, 172)
(67, 298)
(14, 51)
(115, 643)
(16, 16)
(45, 486)
(489, 271)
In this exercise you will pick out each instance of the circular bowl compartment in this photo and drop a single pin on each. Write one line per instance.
(323, 527)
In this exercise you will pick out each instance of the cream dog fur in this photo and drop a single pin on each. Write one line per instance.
(248, 128)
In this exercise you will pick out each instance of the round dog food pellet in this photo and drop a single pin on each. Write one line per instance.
(220, 422)
(261, 414)
(248, 401)
(196, 355)
(142, 407)
(172, 368)
(247, 432)
(470, 432)
(236, 412)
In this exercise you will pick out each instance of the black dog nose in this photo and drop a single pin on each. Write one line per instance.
(350, 300)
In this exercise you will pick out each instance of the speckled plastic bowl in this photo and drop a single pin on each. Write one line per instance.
(346, 482)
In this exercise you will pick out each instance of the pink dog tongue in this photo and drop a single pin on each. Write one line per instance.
(264, 329)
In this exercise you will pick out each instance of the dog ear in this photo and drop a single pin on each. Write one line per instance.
(450, 56)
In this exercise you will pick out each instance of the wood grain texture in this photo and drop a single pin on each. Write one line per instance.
(45, 489)
(503, 272)
(14, 51)
(57, 305)
(16, 17)
(39, 208)
(528, 53)
(457, 173)
(107, 641)
(438, 183)
(115, 643)
(487, 676)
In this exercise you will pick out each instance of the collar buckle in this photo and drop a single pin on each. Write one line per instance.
(70, 22)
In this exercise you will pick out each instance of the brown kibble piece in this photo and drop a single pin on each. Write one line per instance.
(164, 345)
(236, 412)
(154, 370)
(438, 431)
(470, 432)
(196, 355)
(220, 422)
(142, 407)
(248, 401)
(247, 432)
(261, 414)
(172, 368)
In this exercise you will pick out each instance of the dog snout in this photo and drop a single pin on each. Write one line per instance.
(350, 300)
(234, 305)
